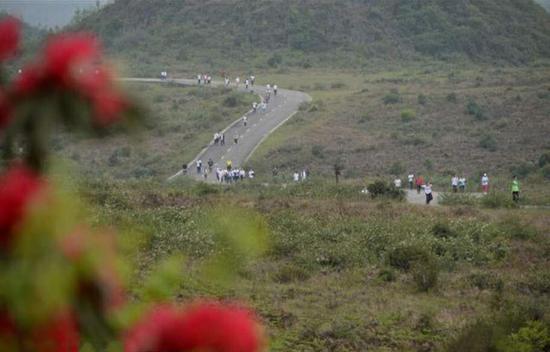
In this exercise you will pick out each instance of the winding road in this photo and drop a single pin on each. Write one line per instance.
(259, 126)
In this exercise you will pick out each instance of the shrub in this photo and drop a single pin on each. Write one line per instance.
(485, 281)
(318, 151)
(533, 337)
(338, 85)
(231, 101)
(488, 142)
(442, 230)
(387, 275)
(203, 189)
(496, 200)
(391, 98)
(544, 159)
(523, 170)
(381, 189)
(290, 273)
(546, 172)
(475, 110)
(516, 229)
(397, 168)
(404, 257)
(452, 98)
(422, 99)
(425, 273)
(457, 199)
(275, 60)
(408, 115)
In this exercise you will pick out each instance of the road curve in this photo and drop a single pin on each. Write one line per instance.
(260, 125)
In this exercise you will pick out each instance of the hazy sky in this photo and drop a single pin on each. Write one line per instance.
(46, 13)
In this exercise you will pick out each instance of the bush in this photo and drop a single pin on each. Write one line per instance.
(516, 229)
(496, 200)
(422, 99)
(391, 98)
(452, 98)
(442, 230)
(475, 110)
(203, 189)
(396, 168)
(425, 273)
(381, 189)
(488, 142)
(404, 257)
(318, 151)
(275, 60)
(387, 275)
(544, 159)
(457, 199)
(231, 101)
(546, 172)
(485, 281)
(290, 273)
(408, 115)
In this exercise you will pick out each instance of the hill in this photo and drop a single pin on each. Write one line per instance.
(213, 34)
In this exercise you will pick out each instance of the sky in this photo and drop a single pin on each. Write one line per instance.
(46, 13)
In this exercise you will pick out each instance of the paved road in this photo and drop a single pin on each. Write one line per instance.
(260, 125)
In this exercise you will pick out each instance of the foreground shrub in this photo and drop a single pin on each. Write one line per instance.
(381, 189)
(425, 273)
(496, 200)
(408, 115)
(404, 257)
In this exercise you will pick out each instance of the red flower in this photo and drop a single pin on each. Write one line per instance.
(29, 81)
(57, 335)
(201, 327)
(107, 103)
(10, 30)
(5, 110)
(66, 54)
(19, 187)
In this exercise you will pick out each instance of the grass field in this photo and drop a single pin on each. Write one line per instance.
(342, 273)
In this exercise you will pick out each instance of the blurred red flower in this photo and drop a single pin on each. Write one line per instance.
(65, 55)
(201, 327)
(19, 187)
(8, 331)
(10, 31)
(59, 334)
(5, 110)
(29, 81)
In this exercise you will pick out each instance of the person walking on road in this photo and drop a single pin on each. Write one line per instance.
(419, 184)
(246, 84)
(275, 89)
(236, 139)
(515, 189)
(252, 80)
(428, 192)
(210, 164)
(199, 166)
(454, 183)
(254, 107)
(462, 184)
(485, 183)
(245, 120)
(222, 139)
(410, 178)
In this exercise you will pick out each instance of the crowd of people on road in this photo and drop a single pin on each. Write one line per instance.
(204, 79)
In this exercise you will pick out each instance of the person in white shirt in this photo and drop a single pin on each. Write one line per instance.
(254, 106)
(268, 89)
(462, 184)
(263, 107)
(397, 183)
(199, 166)
(226, 82)
(454, 183)
(246, 83)
(237, 81)
(199, 76)
(485, 183)
(245, 120)
(275, 88)
(251, 174)
(428, 192)
(252, 80)
(410, 178)
(296, 177)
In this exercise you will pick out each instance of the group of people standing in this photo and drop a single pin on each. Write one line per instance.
(301, 176)
(204, 79)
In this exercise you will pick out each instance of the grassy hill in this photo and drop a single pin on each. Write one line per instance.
(431, 122)
(218, 35)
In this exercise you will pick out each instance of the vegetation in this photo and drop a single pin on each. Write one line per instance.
(242, 34)
(364, 274)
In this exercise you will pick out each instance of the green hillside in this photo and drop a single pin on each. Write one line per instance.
(225, 34)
